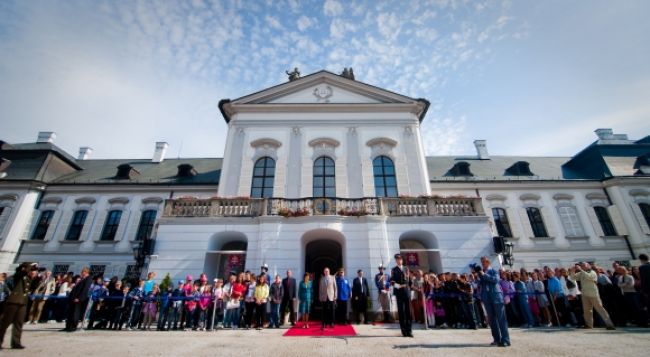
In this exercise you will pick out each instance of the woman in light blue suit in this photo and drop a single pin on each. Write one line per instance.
(492, 299)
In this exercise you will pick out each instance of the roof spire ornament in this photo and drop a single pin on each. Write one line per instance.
(293, 75)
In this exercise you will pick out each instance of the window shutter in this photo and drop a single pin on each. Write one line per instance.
(594, 222)
(88, 225)
(124, 220)
(639, 217)
(29, 228)
(515, 226)
(134, 225)
(617, 220)
(62, 229)
(4, 217)
(98, 227)
(549, 223)
(525, 223)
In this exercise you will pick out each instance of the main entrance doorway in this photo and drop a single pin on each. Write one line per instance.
(320, 254)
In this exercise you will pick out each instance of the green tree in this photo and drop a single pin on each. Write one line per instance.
(166, 282)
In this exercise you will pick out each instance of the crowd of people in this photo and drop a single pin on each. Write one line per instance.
(542, 297)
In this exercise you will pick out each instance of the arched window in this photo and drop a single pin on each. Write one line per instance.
(536, 222)
(324, 177)
(501, 221)
(263, 177)
(384, 172)
(645, 210)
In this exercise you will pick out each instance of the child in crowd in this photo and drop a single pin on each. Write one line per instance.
(205, 300)
(149, 309)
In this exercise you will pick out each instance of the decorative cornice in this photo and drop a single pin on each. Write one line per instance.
(596, 196)
(118, 200)
(152, 200)
(52, 199)
(639, 192)
(9, 197)
(324, 142)
(266, 142)
(381, 141)
(529, 197)
(495, 197)
(562, 196)
(85, 200)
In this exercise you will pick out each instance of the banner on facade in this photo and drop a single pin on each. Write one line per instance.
(235, 263)
(412, 259)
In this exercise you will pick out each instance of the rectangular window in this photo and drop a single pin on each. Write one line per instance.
(536, 222)
(605, 221)
(60, 269)
(132, 272)
(97, 270)
(147, 222)
(570, 221)
(77, 225)
(110, 227)
(43, 224)
(501, 222)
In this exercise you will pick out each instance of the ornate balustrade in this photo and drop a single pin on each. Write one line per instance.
(317, 206)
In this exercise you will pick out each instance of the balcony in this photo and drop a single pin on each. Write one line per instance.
(312, 206)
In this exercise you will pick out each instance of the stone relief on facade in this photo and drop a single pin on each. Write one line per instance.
(323, 94)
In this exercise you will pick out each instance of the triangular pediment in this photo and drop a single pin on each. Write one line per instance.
(322, 88)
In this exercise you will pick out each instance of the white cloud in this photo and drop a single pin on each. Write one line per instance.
(332, 8)
(273, 22)
(304, 23)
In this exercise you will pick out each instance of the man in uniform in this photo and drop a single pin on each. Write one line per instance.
(400, 281)
(16, 303)
(382, 282)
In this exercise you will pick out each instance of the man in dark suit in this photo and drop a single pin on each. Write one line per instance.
(492, 298)
(77, 301)
(289, 298)
(644, 274)
(399, 278)
(360, 297)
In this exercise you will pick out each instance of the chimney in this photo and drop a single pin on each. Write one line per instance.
(161, 149)
(84, 153)
(604, 134)
(46, 137)
(481, 149)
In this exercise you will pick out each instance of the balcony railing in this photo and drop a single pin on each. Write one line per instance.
(317, 206)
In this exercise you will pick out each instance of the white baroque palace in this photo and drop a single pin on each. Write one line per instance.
(321, 171)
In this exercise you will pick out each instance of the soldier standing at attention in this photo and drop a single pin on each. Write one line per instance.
(399, 278)
(16, 304)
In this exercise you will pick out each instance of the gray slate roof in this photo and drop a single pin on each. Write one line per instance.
(494, 169)
(104, 171)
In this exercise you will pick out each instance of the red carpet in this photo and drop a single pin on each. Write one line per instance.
(315, 331)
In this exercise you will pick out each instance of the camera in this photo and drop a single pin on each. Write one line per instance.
(476, 267)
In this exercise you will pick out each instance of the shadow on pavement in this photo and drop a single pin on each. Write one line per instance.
(443, 345)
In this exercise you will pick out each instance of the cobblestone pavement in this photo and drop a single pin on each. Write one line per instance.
(376, 341)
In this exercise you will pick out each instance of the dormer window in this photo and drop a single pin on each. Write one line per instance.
(186, 170)
(126, 172)
(460, 169)
(642, 165)
(519, 168)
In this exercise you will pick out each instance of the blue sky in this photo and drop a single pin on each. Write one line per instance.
(530, 77)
